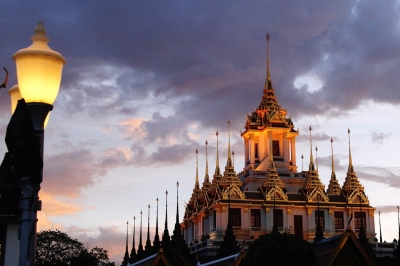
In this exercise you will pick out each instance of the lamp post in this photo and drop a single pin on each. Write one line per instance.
(39, 70)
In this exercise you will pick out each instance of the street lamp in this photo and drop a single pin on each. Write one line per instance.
(39, 70)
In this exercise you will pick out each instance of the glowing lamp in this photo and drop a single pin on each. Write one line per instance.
(39, 69)
(15, 95)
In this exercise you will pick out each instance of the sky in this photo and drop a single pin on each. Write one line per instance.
(148, 82)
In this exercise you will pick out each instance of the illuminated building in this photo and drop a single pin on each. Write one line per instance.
(271, 190)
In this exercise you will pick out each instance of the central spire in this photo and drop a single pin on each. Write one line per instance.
(268, 73)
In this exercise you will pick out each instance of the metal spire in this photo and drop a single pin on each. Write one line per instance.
(166, 210)
(217, 170)
(177, 208)
(229, 142)
(206, 178)
(333, 166)
(380, 228)
(350, 169)
(133, 241)
(196, 185)
(311, 167)
(157, 218)
(140, 237)
(148, 224)
(268, 72)
(126, 250)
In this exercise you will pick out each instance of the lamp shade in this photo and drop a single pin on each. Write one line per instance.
(39, 69)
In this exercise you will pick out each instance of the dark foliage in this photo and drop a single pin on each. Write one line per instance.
(56, 248)
(279, 249)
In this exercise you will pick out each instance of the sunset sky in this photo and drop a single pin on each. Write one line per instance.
(148, 82)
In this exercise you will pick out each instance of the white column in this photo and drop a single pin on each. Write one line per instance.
(11, 255)
(294, 151)
(251, 149)
(285, 148)
(266, 143)
(246, 151)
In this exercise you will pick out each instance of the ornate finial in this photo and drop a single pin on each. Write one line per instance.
(39, 29)
(206, 176)
(316, 156)
(233, 158)
(268, 72)
(302, 157)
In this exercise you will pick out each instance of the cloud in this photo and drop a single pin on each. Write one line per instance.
(67, 173)
(54, 207)
(107, 237)
(379, 137)
(386, 209)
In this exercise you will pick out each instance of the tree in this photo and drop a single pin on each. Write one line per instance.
(280, 249)
(57, 248)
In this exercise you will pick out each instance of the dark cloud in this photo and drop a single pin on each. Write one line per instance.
(211, 52)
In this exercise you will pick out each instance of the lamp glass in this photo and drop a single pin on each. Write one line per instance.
(15, 95)
(39, 77)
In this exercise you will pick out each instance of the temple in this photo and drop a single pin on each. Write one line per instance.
(271, 193)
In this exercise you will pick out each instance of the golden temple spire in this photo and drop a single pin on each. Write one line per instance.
(268, 73)
(316, 156)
